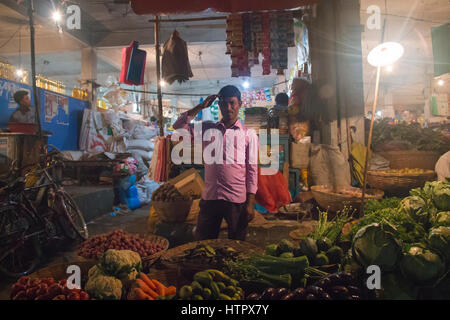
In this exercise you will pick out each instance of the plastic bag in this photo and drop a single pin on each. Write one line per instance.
(273, 191)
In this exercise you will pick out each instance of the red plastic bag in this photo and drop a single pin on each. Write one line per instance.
(273, 191)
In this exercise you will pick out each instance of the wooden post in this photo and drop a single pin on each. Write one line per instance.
(33, 68)
(366, 165)
(158, 78)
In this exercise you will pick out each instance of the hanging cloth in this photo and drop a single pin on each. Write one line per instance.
(175, 60)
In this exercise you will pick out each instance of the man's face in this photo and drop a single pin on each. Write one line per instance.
(229, 107)
(26, 102)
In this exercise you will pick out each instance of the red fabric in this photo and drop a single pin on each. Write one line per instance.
(132, 55)
(183, 6)
(273, 191)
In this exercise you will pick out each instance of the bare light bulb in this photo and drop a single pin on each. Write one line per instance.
(389, 68)
(56, 16)
(19, 73)
(246, 84)
(440, 82)
(162, 83)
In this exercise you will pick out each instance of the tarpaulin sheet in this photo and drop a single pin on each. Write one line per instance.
(183, 6)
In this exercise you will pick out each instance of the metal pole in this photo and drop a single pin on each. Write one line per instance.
(33, 67)
(158, 78)
(369, 142)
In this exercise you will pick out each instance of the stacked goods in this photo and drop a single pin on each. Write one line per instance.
(116, 269)
(336, 286)
(145, 288)
(413, 243)
(168, 193)
(248, 35)
(27, 288)
(211, 285)
(94, 247)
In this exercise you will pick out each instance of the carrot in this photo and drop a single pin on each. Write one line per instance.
(143, 286)
(149, 282)
(171, 290)
(140, 294)
(160, 287)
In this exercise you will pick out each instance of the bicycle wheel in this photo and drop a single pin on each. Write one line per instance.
(73, 214)
(20, 255)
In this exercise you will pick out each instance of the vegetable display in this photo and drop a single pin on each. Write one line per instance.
(410, 242)
(94, 247)
(404, 136)
(211, 284)
(207, 255)
(27, 288)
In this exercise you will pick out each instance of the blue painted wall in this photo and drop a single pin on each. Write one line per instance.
(65, 126)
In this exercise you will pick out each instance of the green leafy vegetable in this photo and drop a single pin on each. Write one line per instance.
(422, 266)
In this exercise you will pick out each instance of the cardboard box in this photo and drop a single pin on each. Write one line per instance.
(189, 183)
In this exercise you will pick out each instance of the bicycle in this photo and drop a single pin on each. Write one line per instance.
(33, 216)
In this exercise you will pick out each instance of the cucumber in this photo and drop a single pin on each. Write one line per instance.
(224, 297)
(185, 292)
(229, 291)
(197, 297)
(215, 289)
(204, 278)
(221, 286)
(196, 287)
(206, 294)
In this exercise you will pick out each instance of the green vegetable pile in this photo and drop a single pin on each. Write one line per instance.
(107, 279)
(408, 136)
(410, 242)
(283, 265)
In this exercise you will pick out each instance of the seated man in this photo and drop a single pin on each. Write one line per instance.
(25, 113)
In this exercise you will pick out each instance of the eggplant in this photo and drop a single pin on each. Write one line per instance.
(323, 283)
(279, 293)
(310, 296)
(354, 290)
(300, 294)
(317, 291)
(334, 280)
(339, 292)
(253, 296)
(346, 277)
(289, 296)
(268, 294)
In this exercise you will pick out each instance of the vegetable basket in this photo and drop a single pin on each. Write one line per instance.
(398, 183)
(172, 211)
(347, 196)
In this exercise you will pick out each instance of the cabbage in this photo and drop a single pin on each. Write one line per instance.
(373, 245)
(441, 196)
(440, 241)
(442, 219)
(416, 208)
(394, 286)
(422, 266)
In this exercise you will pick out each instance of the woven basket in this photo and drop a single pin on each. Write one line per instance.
(176, 211)
(163, 242)
(397, 183)
(329, 200)
(411, 159)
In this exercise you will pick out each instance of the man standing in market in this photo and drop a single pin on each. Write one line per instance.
(25, 113)
(230, 187)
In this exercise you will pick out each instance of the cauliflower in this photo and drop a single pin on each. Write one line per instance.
(104, 287)
(119, 263)
(95, 271)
